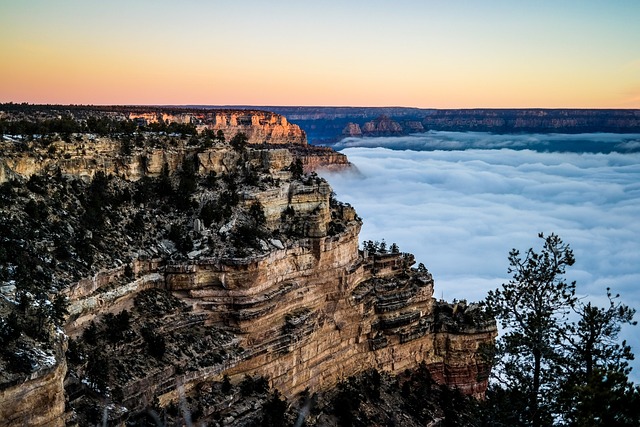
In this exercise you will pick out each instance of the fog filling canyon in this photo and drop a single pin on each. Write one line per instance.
(460, 207)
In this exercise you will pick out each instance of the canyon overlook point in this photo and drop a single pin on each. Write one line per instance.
(209, 237)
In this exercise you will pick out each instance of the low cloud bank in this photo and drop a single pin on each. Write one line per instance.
(439, 140)
(460, 212)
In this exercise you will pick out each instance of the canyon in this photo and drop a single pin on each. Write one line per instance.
(326, 125)
(285, 293)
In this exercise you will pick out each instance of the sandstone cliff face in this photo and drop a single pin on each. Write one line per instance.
(311, 312)
(304, 307)
(84, 159)
(383, 125)
(352, 129)
(37, 400)
(261, 127)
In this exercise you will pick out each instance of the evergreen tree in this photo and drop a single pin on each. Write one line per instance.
(532, 309)
(239, 141)
(596, 389)
(548, 370)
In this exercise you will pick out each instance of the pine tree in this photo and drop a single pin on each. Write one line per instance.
(532, 309)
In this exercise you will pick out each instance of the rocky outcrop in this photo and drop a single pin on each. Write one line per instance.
(84, 159)
(411, 126)
(37, 400)
(316, 158)
(383, 125)
(86, 153)
(352, 129)
(260, 127)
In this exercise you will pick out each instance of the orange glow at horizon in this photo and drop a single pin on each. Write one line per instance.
(441, 59)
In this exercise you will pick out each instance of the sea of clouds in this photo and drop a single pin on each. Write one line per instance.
(461, 210)
(439, 140)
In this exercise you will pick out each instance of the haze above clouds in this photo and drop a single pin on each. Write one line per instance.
(460, 212)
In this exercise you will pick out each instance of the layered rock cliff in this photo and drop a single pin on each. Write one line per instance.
(37, 399)
(184, 263)
(260, 127)
(146, 152)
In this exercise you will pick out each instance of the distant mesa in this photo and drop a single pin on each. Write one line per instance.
(352, 129)
(381, 126)
(326, 125)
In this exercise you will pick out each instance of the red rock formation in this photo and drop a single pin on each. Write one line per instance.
(383, 125)
(261, 127)
(352, 129)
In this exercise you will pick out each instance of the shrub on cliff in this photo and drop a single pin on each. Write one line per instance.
(156, 345)
(239, 141)
(296, 168)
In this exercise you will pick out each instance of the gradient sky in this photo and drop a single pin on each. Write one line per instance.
(440, 54)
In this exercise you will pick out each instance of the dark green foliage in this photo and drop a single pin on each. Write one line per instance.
(18, 361)
(251, 177)
(239, 141)
(297, 168)
(76, 352)
(346, 402)
(116, 326)
(274, 411)
(181, 238)
(106, 126)
(593, 340)
(208, 136)
(97, 199)
(211, 213)
(128, 272)
(251, 385)
(156, 345)
(226, 384)
(211, 180)
(144, 191)
(229, 198)
(188, 182)
(595, 389)
(552, 371)
(125, 147)
(532, 308)
(164, 187)
(136, 226)
(58, 310)
(98, 370)
(246, 236)
(90, 334)
(416, 389)
(9, 328)
(220, 136)
(256, 213)
(37, 184)
(379, 247)
(605, 399)
(36, 210)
